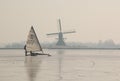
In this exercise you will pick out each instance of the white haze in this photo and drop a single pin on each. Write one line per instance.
(93, 20)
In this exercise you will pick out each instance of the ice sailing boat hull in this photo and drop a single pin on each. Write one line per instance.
(35, 54)
(42, 54)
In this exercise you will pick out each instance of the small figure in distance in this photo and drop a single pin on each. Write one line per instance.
(25, 50)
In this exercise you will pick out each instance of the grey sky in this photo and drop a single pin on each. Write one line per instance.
(92, 19)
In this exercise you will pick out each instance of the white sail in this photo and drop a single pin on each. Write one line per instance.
(32, 43)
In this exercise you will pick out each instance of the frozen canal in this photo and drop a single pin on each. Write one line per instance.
(63, 65)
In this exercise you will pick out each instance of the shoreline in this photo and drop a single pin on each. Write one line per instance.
(68, 48)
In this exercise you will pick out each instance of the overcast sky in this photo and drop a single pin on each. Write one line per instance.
(93, 20)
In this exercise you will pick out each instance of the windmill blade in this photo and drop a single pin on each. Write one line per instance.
(52, 34)
(69, 32)
(60, 25)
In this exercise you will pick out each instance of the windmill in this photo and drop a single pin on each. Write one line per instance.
(60, 38)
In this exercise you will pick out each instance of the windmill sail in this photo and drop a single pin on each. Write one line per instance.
(60, 34)
(32, 43)
(60, 25)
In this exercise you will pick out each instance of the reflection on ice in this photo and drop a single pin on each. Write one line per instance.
(60, 57)
(32, 64)
(63, 65)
